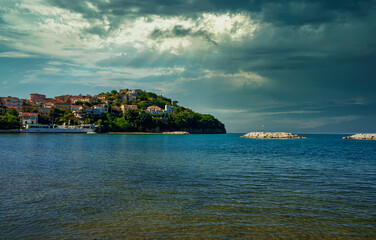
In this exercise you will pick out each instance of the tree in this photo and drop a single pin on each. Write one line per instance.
(13, 112)
(10, 121)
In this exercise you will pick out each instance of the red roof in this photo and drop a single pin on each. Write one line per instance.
(29, 114)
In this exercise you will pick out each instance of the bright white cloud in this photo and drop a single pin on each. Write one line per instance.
(60, 33)
(13, 54)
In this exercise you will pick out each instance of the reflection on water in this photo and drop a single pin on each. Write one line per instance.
(191, 186)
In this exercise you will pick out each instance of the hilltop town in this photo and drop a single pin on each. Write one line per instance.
(122, 111)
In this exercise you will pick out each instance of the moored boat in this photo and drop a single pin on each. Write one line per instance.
(45, 128)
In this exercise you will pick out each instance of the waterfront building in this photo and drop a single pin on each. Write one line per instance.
(28, 118)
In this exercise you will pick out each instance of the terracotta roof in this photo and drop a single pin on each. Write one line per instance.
(29, 114)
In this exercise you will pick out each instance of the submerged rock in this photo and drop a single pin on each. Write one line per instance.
(362, 136)
(279, 135)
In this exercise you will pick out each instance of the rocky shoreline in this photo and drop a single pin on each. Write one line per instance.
(362, 136)
(276, 135)
(177, 133)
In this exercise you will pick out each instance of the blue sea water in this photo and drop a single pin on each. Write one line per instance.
(186, 186)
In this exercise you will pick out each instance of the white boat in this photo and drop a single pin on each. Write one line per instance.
(45, 128)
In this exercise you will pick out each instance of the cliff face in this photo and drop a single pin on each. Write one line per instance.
(278, 135)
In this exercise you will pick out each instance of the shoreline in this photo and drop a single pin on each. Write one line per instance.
(152, 133)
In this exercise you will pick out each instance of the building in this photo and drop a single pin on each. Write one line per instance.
(37, 98)
(64, 98)
(78, 114)
(28, 118)
(132, 98)
(123, 90)
(75, 108)
(74, 99)
(87, 98)
(125, 107)
(49, 105)
(100, 109)
(44, 112)
(12, 102)
(102, 97)
(131, 95)
(61, 105)
(3, 110)
(132, 92)
(169, 109)
(154, 110)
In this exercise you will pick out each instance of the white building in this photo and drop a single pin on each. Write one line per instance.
(169, 109)
(80, 115)
(99, 109)
(28, 118)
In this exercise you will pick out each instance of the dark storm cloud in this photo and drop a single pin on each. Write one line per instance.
(287, 12)
(180, 31)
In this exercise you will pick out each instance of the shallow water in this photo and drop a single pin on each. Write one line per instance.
(190, 186)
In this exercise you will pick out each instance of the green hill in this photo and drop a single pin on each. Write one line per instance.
(181, 119)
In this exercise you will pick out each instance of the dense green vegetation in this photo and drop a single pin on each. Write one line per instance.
(10, 120)
(136, 120)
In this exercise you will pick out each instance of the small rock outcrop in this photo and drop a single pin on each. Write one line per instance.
(362, 136)
(279, 135)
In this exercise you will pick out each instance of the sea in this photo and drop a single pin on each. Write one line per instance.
(124, 186)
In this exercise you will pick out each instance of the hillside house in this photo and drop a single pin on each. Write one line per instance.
(37, 98)
(154, 110)
(125, 107)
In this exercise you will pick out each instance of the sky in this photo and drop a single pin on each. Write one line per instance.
(298, 66)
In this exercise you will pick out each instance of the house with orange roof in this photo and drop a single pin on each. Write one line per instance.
(28, 118)
(102, 97)
(154, 110)
(37, 98)
(12, 102)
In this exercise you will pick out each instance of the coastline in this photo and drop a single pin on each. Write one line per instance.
(152, 133)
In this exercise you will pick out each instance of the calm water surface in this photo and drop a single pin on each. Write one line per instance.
(192, 186)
